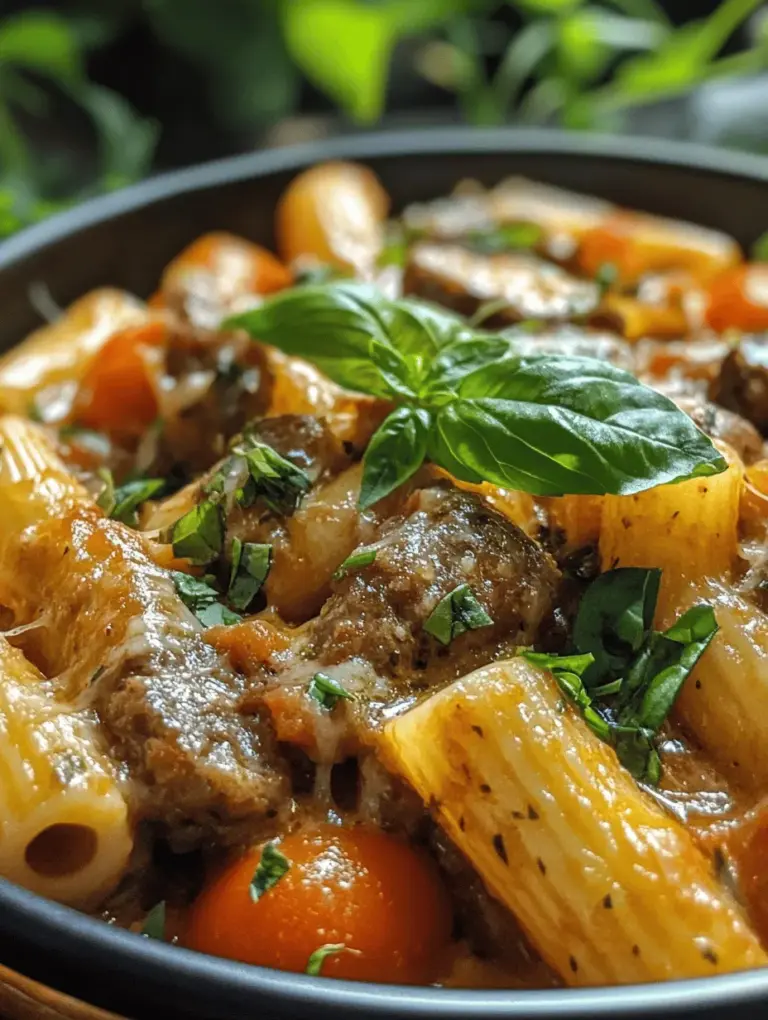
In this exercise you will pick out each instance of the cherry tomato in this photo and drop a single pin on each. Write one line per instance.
(118, 392)
(353, 886)
(738, 299)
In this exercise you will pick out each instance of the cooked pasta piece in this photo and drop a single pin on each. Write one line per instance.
(725, 701)
(59, 353)
(576, 519)
(608, 887)
(113, 632)
(64, 827)
(687, 530)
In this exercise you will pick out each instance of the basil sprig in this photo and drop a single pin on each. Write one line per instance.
(199, 596)
(456, 613)
(250, 564)
(548, 425)
(624, 676)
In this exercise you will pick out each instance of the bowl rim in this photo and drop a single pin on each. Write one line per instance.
(40, 924)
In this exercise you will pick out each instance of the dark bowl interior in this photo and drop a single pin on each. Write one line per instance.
(125, 240)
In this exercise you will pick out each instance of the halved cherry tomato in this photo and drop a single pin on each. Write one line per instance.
(356, 887)
(738, 299)
(118, 392)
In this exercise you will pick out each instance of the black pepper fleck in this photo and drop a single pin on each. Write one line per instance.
(608, 902)
(478, 730)
(698, 685)
(542, 866)
(518, 814)
(533, 814)
(485, 788)
(635, 950)
(498, 846)
(710, 955)
(462, 823)
(574, 964)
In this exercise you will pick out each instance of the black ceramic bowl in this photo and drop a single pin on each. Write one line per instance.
(125, 240)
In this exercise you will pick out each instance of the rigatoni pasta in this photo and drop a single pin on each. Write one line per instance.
(609, 889)
(374, 616)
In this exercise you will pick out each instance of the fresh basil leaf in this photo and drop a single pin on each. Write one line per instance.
(337, 326)
(217, 615)
(203, 600)
(272, 866)
(551, 425)
(505, 237)
(456, 613)
(251, 562)
(635, 750)
(273, 478)
(394, 454)
(154, 922)
(106, 498)
(357, 560)
(320, 955)
(129, 497)
(316, 273)
(691, 637)
(759, 250)
(418, 331)
(606, 690)
(199, 535)
(326, 691)
(467, 354)
(560, 663)
(614, 618)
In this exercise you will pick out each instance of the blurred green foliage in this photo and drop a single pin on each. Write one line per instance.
(579, 63)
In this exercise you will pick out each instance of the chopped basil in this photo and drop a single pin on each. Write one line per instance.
(321, 954)
(271, 477)
(250, 565)
(106, 498)
(606, 276)
(154, 922)
(759, 250)
(129, 497)
(199, 535)
(357, 560)
(326, 691)
(635, 672)
(203, 600)
(271, 868)
(455, 613)
(34, 413)
(506, 237)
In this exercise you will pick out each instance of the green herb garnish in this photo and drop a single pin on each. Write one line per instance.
(202, 599)
(154, 922)
(357, 560)
(606, 277)
(455, 613)
(759, 250)
(625, 676)
(129, 497)
(272, 866)
(199, 535)
(326, 691)
(505, 237)
(468, 403)
(250, 565)
(106, 498)
(320, 955)
(270, 477)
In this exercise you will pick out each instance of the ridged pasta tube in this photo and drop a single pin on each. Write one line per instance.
(64, 827)
(609, 889)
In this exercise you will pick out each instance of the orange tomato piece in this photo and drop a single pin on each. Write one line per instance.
(738, 299)
(118, 393)
(353, 886)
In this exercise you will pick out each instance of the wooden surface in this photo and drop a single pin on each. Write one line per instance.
(23, 999)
